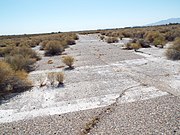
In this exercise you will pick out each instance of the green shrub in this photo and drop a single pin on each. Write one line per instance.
(53, 48)
(69, 61)
(173, 52)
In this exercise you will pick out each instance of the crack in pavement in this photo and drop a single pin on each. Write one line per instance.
(109, 109)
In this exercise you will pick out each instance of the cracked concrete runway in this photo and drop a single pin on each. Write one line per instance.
(139, 90)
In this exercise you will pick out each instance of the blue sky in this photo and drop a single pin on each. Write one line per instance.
(39, 16)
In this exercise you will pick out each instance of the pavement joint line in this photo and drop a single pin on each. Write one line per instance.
(73, 105)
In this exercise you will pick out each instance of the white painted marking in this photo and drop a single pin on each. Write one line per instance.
(62, 107)
(59, 108)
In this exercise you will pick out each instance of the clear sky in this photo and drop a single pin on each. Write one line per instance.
(39, 16)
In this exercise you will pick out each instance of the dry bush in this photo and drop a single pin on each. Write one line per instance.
(160, 40)
(173, 52)
(12, 81)
(135, 46)
(5, 71)
(143, 43)
(70, 42)
(19, 62)
(127, 33)
(21, 58)
(60, 78)
(102, 37)
(43, 44)
(69, 61)
(25, 51)
(53, 48)
(150, 36)
(52, 78)
(130, 46)
(7, 50)
(112, 40)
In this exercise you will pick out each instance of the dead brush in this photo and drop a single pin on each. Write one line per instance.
(69, 61)
(60, 79)
(52, 78)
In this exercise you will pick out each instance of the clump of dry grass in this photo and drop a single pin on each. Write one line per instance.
(112, 40)
(173, 52)
(12, 81)
(130, 46)
(69, 61)
(53, 48)
(21, 58)
(60, 78)
(53, 77)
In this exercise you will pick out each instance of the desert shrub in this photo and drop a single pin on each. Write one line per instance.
(5, 71)
(20, 62)
(127, 34)
(171, 35)
(20, 58)
(52, 77)
(7, 50)
(12, 81)
(130, 46)
(135, 46)
(70, 42)
(60, 78)
(143, 43)
(112, 40)
(102, 37)
(25, 51)
(43, 44)
(69, 61)
(53, 48)
(74, 36)
(173, 52)
(150, 36)
(160, 40)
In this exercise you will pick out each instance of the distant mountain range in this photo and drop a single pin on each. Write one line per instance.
(163, 22)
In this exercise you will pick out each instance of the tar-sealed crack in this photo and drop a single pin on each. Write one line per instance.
(107, 111)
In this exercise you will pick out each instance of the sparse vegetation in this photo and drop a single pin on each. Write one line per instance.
(69, 61)
(60, 78)
(20, 58)
(12, 81)
(53, 48)
(112, 40)
(56, 76)
(130, 46)
(173, 52)
(52, 78)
